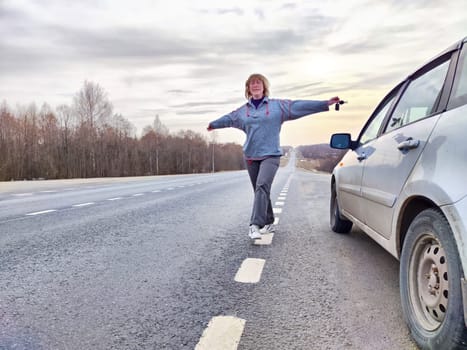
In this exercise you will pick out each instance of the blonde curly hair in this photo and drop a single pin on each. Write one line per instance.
(260, 77)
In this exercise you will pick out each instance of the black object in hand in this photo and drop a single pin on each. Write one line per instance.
(341, 102)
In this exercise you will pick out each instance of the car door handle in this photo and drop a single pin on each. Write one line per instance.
(361, 156)
(410, 143)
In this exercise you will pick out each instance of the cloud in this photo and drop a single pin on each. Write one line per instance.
(129, 43)
(193, 58)
(42, 44)
(289, 5)
(203, 103)
(235, 10)
(358, 47)
(9, 14)
(200, 112)
(295, 88)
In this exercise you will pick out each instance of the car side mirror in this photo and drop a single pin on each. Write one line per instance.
(341, 141)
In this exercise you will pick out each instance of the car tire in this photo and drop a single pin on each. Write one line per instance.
(430, 283)
(338, 223)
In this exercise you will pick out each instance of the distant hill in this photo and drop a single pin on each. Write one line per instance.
(319, 157)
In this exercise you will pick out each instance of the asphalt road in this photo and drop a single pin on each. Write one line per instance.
(147, 263)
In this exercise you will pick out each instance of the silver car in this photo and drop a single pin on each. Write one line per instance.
(404, 183)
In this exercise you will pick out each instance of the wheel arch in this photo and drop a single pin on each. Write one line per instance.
(411, 208)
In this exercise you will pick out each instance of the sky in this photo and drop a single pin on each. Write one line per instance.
(187, 61)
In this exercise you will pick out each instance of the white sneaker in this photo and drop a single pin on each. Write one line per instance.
(254, 232)
(267, 229)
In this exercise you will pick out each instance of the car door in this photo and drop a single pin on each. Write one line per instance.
(396, 150)
(351, 167)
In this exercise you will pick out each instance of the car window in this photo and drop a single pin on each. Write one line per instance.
(420, 98)
(371, 131)
(459, 89)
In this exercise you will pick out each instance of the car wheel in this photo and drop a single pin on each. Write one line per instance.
(430, 283)
(338, 223)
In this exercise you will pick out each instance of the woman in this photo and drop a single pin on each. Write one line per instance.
(261, 119)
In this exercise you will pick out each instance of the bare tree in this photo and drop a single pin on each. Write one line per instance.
(153, 139)
(48, 143)
(66, 121)
(86, 140)
(28, 142)
(92, 106)
(9, 132)
(213, 144)
(158, 127)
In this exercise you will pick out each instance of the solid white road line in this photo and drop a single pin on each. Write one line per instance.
(42, 212)
(250, 271)
(48, 191)
(138, 194)
(114, 199)
(23, 194)
(83, 204)
(222, 333)
(155, 191)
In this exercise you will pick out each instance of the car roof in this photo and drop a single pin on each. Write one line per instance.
(451, 48)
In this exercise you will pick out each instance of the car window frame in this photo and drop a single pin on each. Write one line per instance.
(394, 95)
(446, 100)
(437, 107)
(451, 53)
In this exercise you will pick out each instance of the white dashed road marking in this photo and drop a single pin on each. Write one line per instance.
(266, 239)
(83, 204)
(42, 212)
(222, 333)
(250, 271)
(88, 203)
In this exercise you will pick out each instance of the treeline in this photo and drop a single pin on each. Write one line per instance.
(86, 139)
(319, 157)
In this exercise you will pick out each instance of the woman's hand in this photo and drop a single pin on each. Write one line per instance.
(333, 100)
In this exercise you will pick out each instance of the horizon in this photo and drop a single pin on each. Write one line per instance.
(188, 63)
